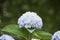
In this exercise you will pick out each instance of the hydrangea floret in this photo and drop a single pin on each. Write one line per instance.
(56, 36)
(6, 37)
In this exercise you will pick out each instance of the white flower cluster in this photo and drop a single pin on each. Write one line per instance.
(6, 37)
(30, 20)
(35, 39)
(56, 36)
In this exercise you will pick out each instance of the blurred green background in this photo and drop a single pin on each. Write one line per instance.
(48, 10)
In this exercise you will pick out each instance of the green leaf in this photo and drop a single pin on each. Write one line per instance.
(22, 32)
(31, 30)
(41, 35)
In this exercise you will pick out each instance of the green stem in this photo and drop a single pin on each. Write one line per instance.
(30, 36)
(30, 33)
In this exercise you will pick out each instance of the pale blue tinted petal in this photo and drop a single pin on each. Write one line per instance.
(56, 36)
(30, 19)
(6, 37)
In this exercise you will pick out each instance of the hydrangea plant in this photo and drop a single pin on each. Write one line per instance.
(30, 20)
(26, 28)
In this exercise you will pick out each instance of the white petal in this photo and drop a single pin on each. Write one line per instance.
(6, 37)
(30, 18)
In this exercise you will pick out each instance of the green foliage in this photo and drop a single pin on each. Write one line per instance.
(15, 30)
(42, 35)
(22, 32)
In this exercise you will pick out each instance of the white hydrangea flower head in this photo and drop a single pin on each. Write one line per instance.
(56, 36)
(35, 39)
(30, 20)
(6, 37)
